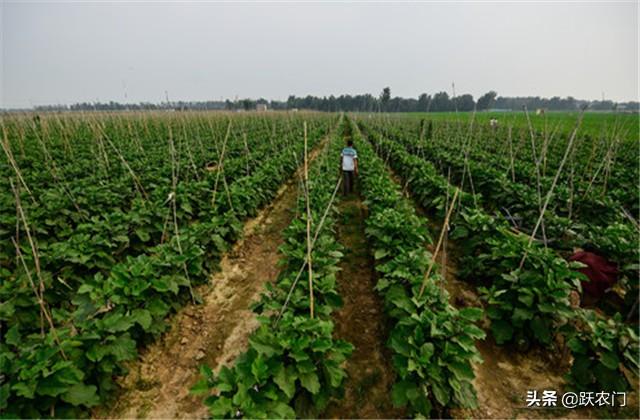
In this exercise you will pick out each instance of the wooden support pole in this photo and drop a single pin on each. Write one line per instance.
(553, 186)
(445, 227)
(308, 198)
(220, 162)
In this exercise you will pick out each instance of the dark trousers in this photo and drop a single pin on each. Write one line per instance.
(347, 182)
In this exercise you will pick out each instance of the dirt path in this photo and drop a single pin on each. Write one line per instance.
(361, 322)
(213, 333)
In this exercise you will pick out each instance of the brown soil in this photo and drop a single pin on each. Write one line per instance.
(361, 322)
(213, 333)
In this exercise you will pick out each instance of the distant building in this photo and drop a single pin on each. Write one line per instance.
(261, 107)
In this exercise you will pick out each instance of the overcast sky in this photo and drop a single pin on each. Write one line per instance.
(70, 52)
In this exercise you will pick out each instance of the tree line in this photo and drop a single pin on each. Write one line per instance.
(384, 102)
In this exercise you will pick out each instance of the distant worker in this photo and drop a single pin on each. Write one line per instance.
(602, 275)
(349, 166)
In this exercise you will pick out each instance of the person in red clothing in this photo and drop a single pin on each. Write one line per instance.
(602, 274)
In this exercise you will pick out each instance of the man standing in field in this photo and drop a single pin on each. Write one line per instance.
(349, 165)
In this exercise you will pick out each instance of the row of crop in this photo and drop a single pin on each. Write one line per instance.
(519, 196)
(526, 300)
(599, 224)
(293, 365)
(112, 208)
(88, 149)
(59, 368)
(590, 170)
(433, 343)
(96, 246)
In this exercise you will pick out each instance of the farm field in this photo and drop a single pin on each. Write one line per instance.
(194, 264)
(595, 125)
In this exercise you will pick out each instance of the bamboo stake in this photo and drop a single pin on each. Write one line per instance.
(39, 291)
(467, 168)
(553, 186)
(446, 237)
(246, 151)
(220, 162)
(136, 181)
(536, 161)
(445, 228)
(309, 260)
(7, 151)
(174, 185)
(304, 263)
(513, 169)
(189, 154)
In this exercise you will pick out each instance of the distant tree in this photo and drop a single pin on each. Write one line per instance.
(487, 100)
(385, 96)
(441, 102)
(464, 103)
(423, 102)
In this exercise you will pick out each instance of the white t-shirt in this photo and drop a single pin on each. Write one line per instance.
(348, 154)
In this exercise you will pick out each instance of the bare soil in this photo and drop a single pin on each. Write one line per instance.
(361, 321)
(213, 333)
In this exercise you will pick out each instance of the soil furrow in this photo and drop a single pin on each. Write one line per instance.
(361, 322)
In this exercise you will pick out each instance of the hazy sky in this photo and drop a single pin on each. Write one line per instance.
(79, 51)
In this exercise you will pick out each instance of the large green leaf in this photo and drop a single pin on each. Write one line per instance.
(541, 330)
(309, 381)
(285, 378)
(502, 331)
(81, 394)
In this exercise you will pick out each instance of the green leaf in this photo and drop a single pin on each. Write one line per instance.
(576, 345)
(81, 394)
(399, 392)
(380, 253)
(285, 378)
(123, 348)
(335, 373)
(610, 360)
(610, 380)
(221, 408)
(117, 322)
(459, 232)
(27, 389)
(440, 393)
(309, 381)
(521, 314)
(263, 343)
(321, 345)
(426, 351)
(282, 411)
(461, 370)
(502, 331)
(471, 313)
(142, 317)
(400, 345)
(12, 336)
(143, 235)
(201, 387)
(540, 330)
(259, 368)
